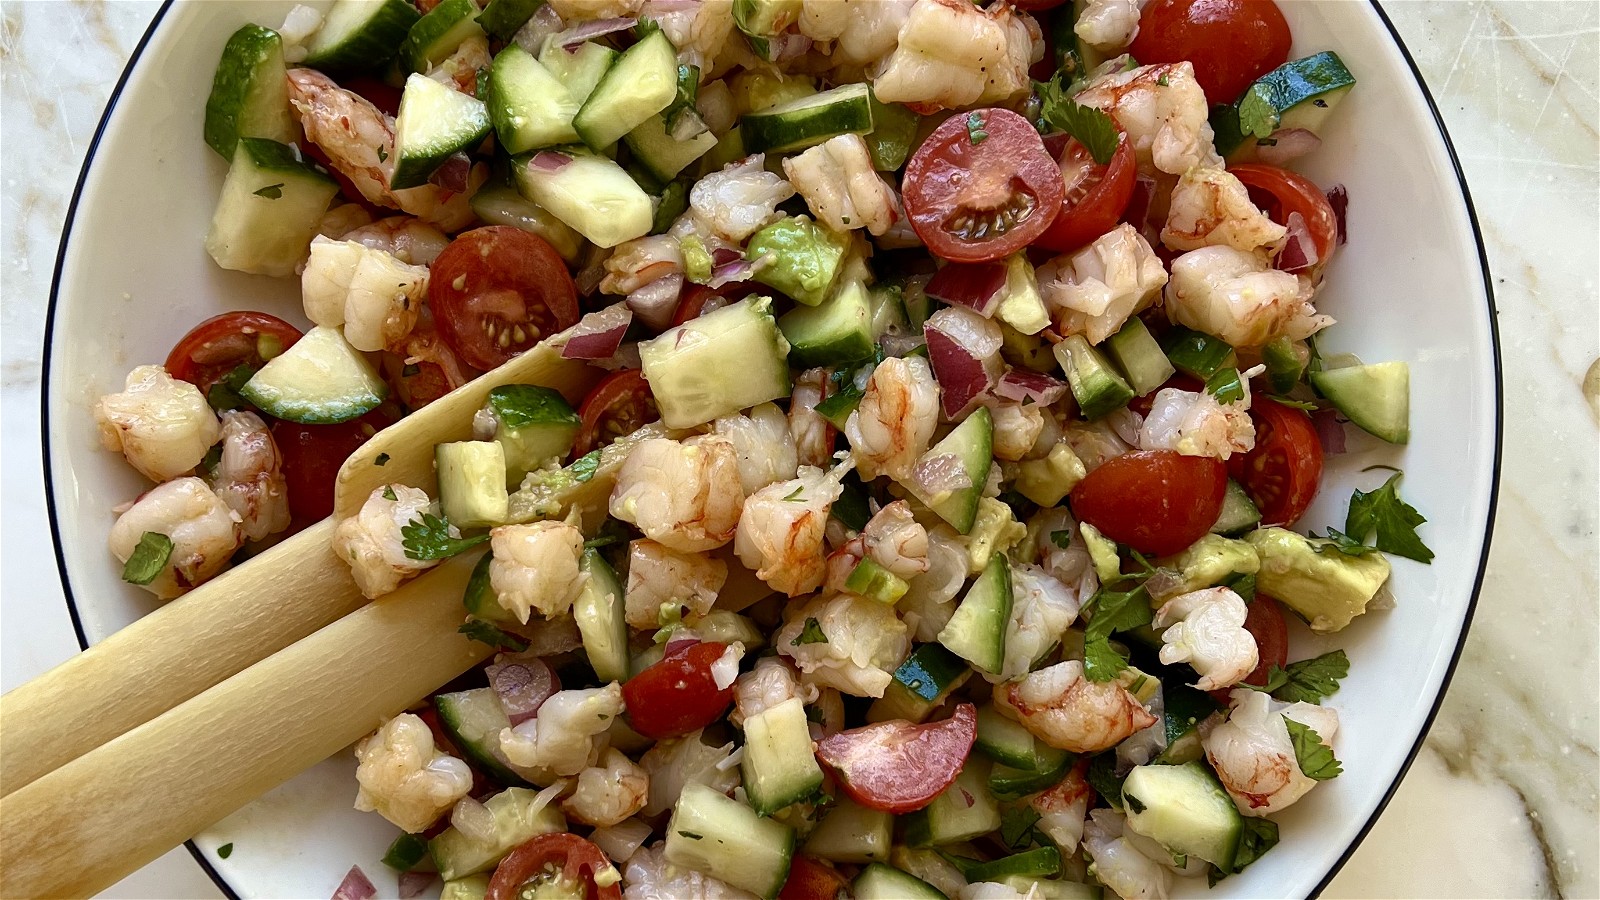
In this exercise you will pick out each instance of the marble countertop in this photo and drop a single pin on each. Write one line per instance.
(1502, 801)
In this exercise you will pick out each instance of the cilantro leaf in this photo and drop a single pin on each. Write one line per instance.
(975, 132)
(1243, 584)
(383, 153)
(811, 634)
(1342, 543)
(1016, 826)
(1276, 678)
(794, 495)
(148, 559)
(1394, 520)
(1091, 127)
(1257, 115)
(584, 467)
(1225, 385)
(485, 633)
(428, 537)
(382, 460)
(389, 494)
(1312, 755)
(1062, 539)
(1101, 661)
(1103, 777)
(1306, 405)
(1259, 836)
(226, 850)
(1309, 680)
(271, 191)
(1113, 611)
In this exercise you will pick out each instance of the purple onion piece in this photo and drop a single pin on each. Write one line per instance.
(1339, 199)
(355, 886)
(1329, 430)
(414, 884)
(523, 687)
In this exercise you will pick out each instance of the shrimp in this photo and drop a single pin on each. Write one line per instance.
(459, 70)
(374, 296)
(1062, 808)
(1118, 863)
(535, 567)
(663, 583)
(163, 426)
(249, 476)
(609, 792)
(405, 778)
(930, 598)
(1061, 707)
(1063, 552)
(589, 10)
(1096, 290)
(358, 138)
(780, 533)
(1042, 609)
(864, 642)
(1195, 423)
(1240, 298)
(649, 876)
(892, 427)
(1095, 442)
(371, 542)
(203, 530)
(1253, 755)
(772, 681)
(895, 540)
(766, 449)
(862, 31)
(740, 199)
(1210, 207)
(406, 238)
(685, 495)
(1108, 25)
(699, 30)
(840, 186)
(343, 219)
(1206, 630)
(565, 737)
(952, 54)
(811, 433)
(1017, 426)
(1163, 110)
(636, 263)
(676, 763)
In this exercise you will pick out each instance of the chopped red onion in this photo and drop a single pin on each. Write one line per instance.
(576, 35)
(941, 474)
(679, 644)
(740, 270)
(414, 884)
(721, 256)
(1300, 250)
(355, 886)
(523, 687)
(598, 334)
(545, 22)
(973, 285)
(550, 160)
(790, 46)
(1339, 199)
(474, 820)
(1024, 385)
(1055, 143)
(964, 351)
(1287, 145)
(655, 302)
(1329, 430)
(453, 175)
(898, 345)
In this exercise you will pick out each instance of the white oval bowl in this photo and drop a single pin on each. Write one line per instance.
(132, 276)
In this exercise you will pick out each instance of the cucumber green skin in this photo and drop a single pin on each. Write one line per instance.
(504, 18)
(1163, 803)
(948, 820)
(837, 333)
(449, 707)
(920, 684)
(374, 44)
(439, 33)
(1040, 862)
(250, 75)
(529, 107)
(842, 110)
(479, 598)
(1238, 513)
(1285, 367)
(874, 582)
(1010, 783)
(641, 83)
(779, 767)
(880, 882)
(533, 424)
(406, 851)
(1197, 353)
(459, 856)
(598, 611)
(852, 833)
(662, 156)
(731, 842)
(977, 631)
(1138, 354)
(889, 142)
(1095, 383)
(452, 122)
(1376, 397)
(973, 443)
(1010, 744)
(309, 408)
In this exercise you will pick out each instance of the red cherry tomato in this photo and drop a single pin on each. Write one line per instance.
(812, 879)
(223, 343)
(1230, 42)
(552, 865)
(899, 767)
(1156, 501)
(496, 291)
(1266, 624)
(312, 455)
(982, 186)
(677, 694)
(1095, 196)
(1282, 473)
(1280, 192)
(618, 405)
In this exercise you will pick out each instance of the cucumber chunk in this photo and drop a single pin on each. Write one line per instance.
(881, 882)
(1185, 809)
(472, 483)
(440, 33)
(360, 34)
(837, 333)
(479, 597)
(1300, 94)
(662, 155)
(497, 203)
(964, 810)
(472, 887)
(250, 92)
(642, 82)
(1007, 742)
(852, 833)
(977, 631)
(1183, 708)
(808, 121)
(721, 837)
(588, 192)
(529, 106)
(762, 20)
(1040, 862)
(473, 721)
(1238, 513)
(519, 814)
(920, 684)
(1138, 354)
(972, 442)
(502, 19)
(890, 141)
(435, 123)
(1376, 397)
(271, 204)
(580, 68)
(779, 766)
(600, 616)
(1285, 362)
(1011, 783)
(873, 582)
(1095, 383)
(321, 380)
(534, 425)
(1197, 353)
(724, 361)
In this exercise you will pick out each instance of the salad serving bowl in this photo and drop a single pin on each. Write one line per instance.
(1410, 285)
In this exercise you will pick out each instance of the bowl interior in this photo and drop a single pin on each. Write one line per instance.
(1409, 285)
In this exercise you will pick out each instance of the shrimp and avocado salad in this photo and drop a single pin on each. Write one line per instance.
(927, 529)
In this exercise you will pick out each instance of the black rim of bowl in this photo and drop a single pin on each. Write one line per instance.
(1494, 476)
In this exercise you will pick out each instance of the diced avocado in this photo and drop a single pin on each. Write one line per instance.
(472, 887)
(852, 833)
(1095, 383)
(972, 444)
(837, 333)
(1325, 587)
(1048, 481)
(1026, 351)
(1197, 353)
(724, 361)
(1020, 305)
(874, 582)
(1238, 512)
(1102, 552)
(977, 630)
(472, 483)
(1210, 560)
(1376, 397)
(805, 257)
(964, 810)
(921, 683)
(995, 529)
(1139, 355)
(519, 815)
(1286, 362)
(534, 425)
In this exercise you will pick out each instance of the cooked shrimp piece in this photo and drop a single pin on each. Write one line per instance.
(1042, 608)
(1195, 423)
(930, 598)
(1254, 756)
(649, 876)
(1240, 298)
(685, 495)
(862, 31)
(741, 199)
(565, 737)
(894, 539)
(572, 11)
(1094, 291)
(811, 433)
(1062, 808)
(405, 778)
(204, 532)
(372, 543)
(406, 238)
(249, 475)
(698, 30)
(609, 792)
(765, 448)
(780, 533)
(1206, 630)
(1061, 707)
(1017, 426)
(1108, 25)
(371, 294)
(664, 583)
(865, 641)
(460, 69)
(343, 219)
(163, 426)
(770, 682)
(1069, 564)
(840, 186)
(676, 763)
(952, 54)
(1210, 207)
(1163, 110)
(636, 263)
(535, 567)
(1119, 864)
(894, 424)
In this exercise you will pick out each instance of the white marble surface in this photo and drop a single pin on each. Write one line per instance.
(1501, 803)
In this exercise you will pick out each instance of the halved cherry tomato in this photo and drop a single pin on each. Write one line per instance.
(1280, 192)
(223, 343)
(1266, 624)
(982, 186)
(899, 767)
(812, 879)
(552, 865)
(677, 694)
(1095, 196)
(1156, 501)
(1282, 473)
(312, 455)
(1230, 42)
(496, 291)
(618, 405)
